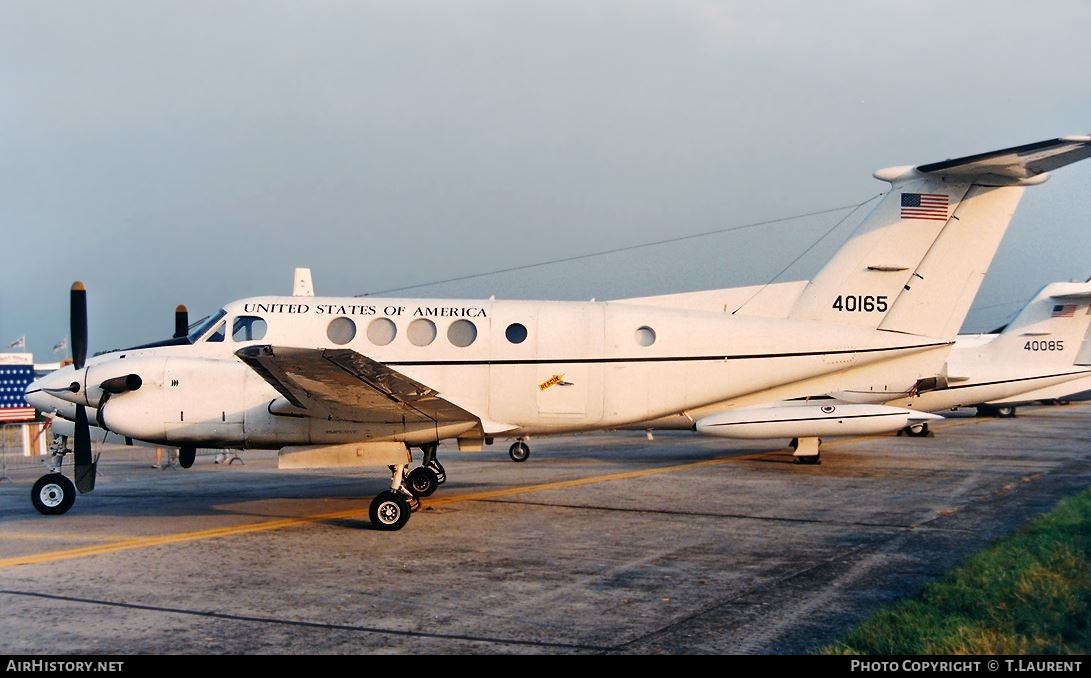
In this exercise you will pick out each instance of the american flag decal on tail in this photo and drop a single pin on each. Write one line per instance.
(1064, 311)
(924, 206)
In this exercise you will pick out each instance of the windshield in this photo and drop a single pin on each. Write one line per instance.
(204, 326)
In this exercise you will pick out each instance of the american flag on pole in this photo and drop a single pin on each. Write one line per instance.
(60, 345)
(21, 342)
(13, 384)
(924, 206)
(1064, 311)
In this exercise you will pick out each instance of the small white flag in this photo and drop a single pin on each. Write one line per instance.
(21, 342)
(60, 345)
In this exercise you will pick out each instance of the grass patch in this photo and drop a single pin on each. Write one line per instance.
(1030, 593)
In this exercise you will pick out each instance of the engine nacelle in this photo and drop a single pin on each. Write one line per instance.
(807, 419)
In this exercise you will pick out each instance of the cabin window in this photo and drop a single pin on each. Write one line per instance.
(421, 332)
(381, 331)
(516, 333)
(341, 331)
(248, 328)
(645, 336)
(462, 333)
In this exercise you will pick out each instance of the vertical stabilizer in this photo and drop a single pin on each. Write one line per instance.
(917, 261)
(1052, 329)
(936, 298)
(863, 281)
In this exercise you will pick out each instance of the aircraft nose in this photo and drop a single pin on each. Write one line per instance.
(44, 391)
(42, 401)
(47, 403)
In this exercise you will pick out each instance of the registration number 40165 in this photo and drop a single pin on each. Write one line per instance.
(864, 303)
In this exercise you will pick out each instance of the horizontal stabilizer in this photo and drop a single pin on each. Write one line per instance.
(1013, 165)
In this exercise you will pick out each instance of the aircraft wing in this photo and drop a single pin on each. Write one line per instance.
(346, 385)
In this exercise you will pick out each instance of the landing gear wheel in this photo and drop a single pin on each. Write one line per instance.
(519, 451)
(437, 468)
(1005, 411)
(422, 481)
(186, 456)
(917, 430)
(389, 511)
(810, 458)
(53, 494)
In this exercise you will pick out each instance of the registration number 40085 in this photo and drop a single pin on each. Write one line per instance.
(1043, 345)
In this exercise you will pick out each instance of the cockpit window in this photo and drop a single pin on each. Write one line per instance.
(218, 333)
(248, 328)
(204, 326)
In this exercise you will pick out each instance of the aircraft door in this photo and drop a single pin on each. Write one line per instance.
(569, 382)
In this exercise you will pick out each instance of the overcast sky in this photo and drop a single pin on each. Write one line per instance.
(195, 152)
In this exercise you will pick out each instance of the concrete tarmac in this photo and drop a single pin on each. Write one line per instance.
(597, 544)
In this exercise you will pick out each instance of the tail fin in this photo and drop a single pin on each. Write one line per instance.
(1053, 328)
(1053, 331)
(919, 258)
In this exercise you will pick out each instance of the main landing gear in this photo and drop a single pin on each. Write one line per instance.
(916, 430)
(390, 510)
(424, 479)
(1001, 411)
(519, 450)
(806, 450)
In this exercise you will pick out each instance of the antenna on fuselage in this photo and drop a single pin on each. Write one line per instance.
(301, 283)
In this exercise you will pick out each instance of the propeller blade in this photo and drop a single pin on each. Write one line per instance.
(181, 321)
(78, 323)
(85, 464)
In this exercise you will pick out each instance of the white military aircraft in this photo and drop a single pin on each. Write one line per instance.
(1043, 353)
(350, 381)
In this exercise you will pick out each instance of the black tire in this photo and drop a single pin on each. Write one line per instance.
(422, 481)
(1005, 411)
(917, 430)
(53, 494)
(810, 459)
(519, 451)
(186, 456)
(389, 511)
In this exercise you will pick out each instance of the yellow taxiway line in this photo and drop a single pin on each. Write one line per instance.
(161, 540)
